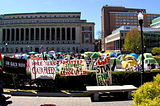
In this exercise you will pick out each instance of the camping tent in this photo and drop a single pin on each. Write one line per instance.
(129, 63)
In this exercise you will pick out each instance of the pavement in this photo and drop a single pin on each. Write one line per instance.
(62, 100)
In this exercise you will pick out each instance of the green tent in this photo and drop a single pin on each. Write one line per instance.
(89, 53)
(96, 55)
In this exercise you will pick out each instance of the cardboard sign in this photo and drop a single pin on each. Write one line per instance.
(13, 65)
(73, 67)
(103, 73)
(43, 69)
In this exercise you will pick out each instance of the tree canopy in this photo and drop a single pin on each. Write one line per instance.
(156, 50)
(132, 42)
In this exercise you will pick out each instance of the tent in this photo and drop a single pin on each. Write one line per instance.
(129, 57)
(96, 55)
(89, 53)
(117, 54)
(135, 55)
(32, 53)
(129, 63)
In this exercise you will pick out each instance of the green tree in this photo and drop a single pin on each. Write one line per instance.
(132, 42)
(156, 50)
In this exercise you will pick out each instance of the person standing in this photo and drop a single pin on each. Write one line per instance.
(1, 84)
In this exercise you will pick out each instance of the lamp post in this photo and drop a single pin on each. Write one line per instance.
(28, 49)
(99, 45)
(6, 48)
(140, 18)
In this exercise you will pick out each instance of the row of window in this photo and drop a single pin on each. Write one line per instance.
(37, 22)
(125, 23)
(126, 20)
(127, 14)
(43, 17)
(136, 15)
(128, 17)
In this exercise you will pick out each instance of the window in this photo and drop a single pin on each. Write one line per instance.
(124, 14)
(31, 16)
(131, 14)
(37, 21)
(151, 15)
(45, 16)
(4, 23)
(64, 16)
(120, 17)
(73, 49)
(86, 38)
(8, 22)
(124, 17)
(68, 49)
(63, 49)
(69, 16)
(27, 22)
(73, 15)
(135, 17)
(122, 34)
(135, 20)
(116, 19)
(40, 16)
(32, 22)
(128, 20)
(57, 21)
(131, 17)
(42, 21)
(59, 15)
(117, 23)
(120, 20)
(73, 21)
(63, 21)
(17, 22)
(47, 21)
(86, 28)
(131, 20)
(128, 23)
(116, 14)
(26, 16)
(55, 16)
(135, 14)
(22, 22)
(148, 15)
(12, 22)
(68, 21)
(127, 14)
(17, 17)
(154, 15)
(120, 14)
(148, 20)
(35, 16)
(127, 17)
(124, 20)
(22, 16)
(135, 23)
(52, 21)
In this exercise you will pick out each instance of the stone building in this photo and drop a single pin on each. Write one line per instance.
(57, 31)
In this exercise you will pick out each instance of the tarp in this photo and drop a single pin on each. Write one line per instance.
(89, 53)
(129, 63)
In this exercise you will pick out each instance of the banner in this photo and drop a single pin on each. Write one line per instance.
(43, 69)
(103, 72)
(73, 67)
(14, 65)
(28, 60)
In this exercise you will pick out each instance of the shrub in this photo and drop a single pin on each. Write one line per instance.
(148, 94)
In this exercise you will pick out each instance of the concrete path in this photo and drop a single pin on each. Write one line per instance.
(62, 101)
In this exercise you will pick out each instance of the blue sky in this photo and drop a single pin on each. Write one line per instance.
(90, 9)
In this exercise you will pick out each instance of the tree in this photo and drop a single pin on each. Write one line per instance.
(132, 41)
(156, 50)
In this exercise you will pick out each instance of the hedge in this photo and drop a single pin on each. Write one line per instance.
(76, 83)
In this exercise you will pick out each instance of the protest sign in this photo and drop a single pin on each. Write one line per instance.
(103, 72)
(13, 65)
(28, 60)
(73, 67)
(43, 69)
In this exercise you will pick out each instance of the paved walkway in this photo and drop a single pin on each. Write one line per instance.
(61, 101)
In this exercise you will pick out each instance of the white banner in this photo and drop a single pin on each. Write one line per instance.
(43, 69)
(73, 67)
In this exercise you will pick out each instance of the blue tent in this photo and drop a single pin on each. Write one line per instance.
(117, 54)
(135, 55)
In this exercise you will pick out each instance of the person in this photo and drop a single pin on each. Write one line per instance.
(2, 97)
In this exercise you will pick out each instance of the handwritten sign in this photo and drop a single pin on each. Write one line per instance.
(103, 73)
(73, 67)
(43, 69)
(14, 65)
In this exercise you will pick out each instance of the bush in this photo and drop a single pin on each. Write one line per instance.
(148, 94)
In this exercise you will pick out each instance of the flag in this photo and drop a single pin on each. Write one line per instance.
(0, 56)
(14, 56)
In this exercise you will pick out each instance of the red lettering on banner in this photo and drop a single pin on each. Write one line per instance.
(33, 70)
(81, 61)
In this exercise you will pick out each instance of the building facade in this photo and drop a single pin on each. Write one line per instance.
(113, 17)
(57, 31)
(114, 42)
